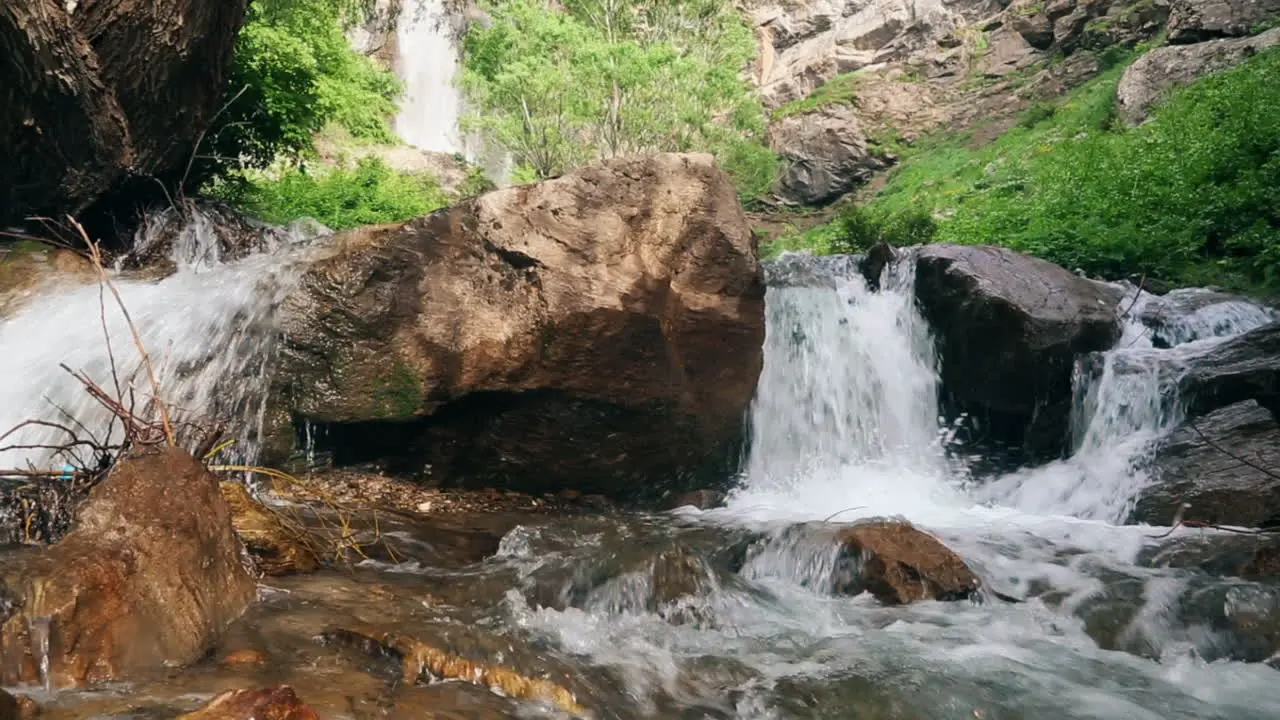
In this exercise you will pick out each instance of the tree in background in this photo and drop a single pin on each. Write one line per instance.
(604, 78)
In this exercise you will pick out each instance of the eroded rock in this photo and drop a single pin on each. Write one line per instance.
(272, 703)
(898, 563)
(149, 577)
(1009, 328)
(825, 152)
(1149, 79)
(597, 331)
(1193, 21)
(1246, 367)
(1226, 467)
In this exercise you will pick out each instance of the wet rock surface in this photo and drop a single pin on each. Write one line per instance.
(1008, 329)
(278, 546)
(150, 575)
(1225, 466)
(274, 703)
(1246, 367)
(594, 331)
(898, 563)
(1149, 79)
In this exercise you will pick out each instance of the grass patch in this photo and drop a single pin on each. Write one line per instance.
(1193, 196)
(839, 90)
(367, 193)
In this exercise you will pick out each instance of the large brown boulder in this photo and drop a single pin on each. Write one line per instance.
(148, 578)
(897, 563)
(99, 93)
(1148, 80)
(1193, 21)
(1224, 466)
(1009, 328)
(600, 331)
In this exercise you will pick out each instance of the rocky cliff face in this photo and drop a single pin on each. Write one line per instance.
(101, 94)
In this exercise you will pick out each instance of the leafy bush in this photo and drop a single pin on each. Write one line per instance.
(367, 194)
(859, 228)
(293, 73)
(613, 77)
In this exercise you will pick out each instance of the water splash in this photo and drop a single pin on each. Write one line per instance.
(209, 328)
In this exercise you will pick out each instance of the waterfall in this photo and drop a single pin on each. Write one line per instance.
(846, 413)
(428, 65)
(209, 329)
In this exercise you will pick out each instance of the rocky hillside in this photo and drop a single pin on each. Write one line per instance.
(844, 78)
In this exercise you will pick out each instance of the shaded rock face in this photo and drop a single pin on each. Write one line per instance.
(149, 577)
(1247, 367)
(600, 331)
(1155, 74)
(1228, 472)
(1009, 328)
(898, 563)
(1193, 21)
(273, 703)
(826, 154)
(87, 106)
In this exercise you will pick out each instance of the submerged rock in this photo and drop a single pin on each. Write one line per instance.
(600, 331)
(277, 547)
(1225, 466)
(1149, 79)
(1009, 328)
(148, 578)
(898, 563)
(273, 703)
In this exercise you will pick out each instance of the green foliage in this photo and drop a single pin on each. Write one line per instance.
(367, 194)
(839, 90)
(613, 77)
(293, 73)
(1191, 196)
(859, 228)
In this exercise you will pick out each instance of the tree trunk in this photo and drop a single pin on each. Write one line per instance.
(108, 94)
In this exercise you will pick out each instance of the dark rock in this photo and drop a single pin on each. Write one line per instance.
(182, 236)
(1028, 19)
(273, 703)
(1228, 472)
(596, 331)
(825, 152)
(877, 259)
(1190, 314)
(1246, 367)
(898, 564)
(1009, 328)
(1193, 21)
(149, 576)
(88, 108)
(1149, 79)
(701, 499)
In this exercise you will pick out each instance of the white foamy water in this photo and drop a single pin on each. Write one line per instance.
(209, 330)
(428, 65)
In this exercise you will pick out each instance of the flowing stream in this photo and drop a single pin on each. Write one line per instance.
(729, 613)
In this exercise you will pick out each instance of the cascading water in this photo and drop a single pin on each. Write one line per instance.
(428, 64)
(209, 330)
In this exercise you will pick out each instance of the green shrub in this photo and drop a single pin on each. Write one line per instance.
(859, 228)
(367, 194)
(293, 73)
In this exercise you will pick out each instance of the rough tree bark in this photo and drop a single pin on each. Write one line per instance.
(101, 94)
